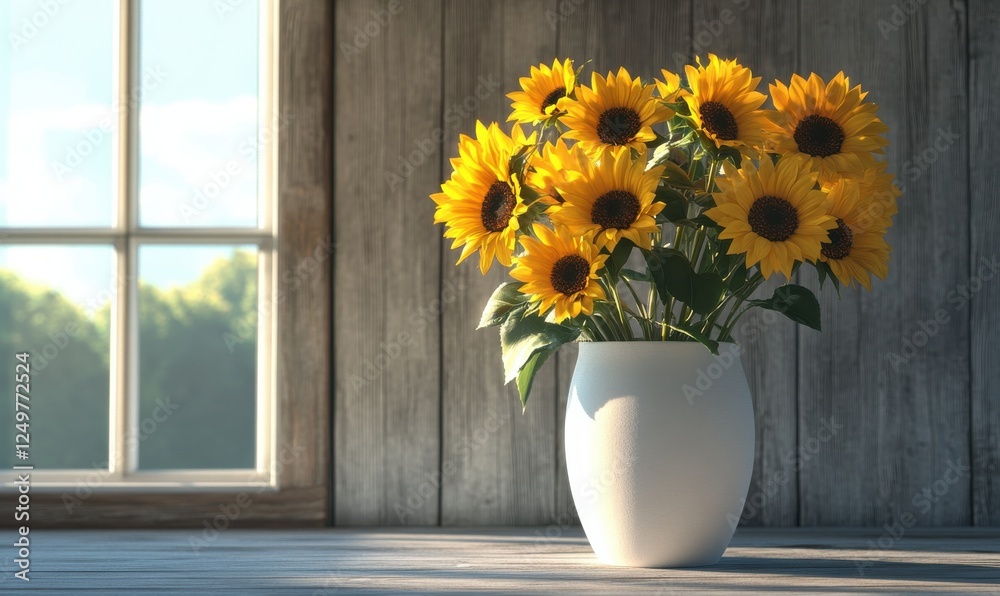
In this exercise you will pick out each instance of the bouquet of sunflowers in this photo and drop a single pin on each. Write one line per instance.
(716, 193)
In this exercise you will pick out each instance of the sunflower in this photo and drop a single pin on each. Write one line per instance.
(616, 111)
(724, 103)
(828, 122)
(553, 166)
(669, 88)
(544, 92)
(612, 200)
(877, 194)
(481, 203)
(560, 270)
(856, 248)
(774, 214)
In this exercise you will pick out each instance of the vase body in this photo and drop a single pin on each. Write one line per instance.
(659, 450)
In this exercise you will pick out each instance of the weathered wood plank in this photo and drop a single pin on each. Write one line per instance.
(498, 466)
(387, 273)
(905, 413)
(252, 507)
(643, 36)
(304, 312)
(763, 36)
(494, 561)
(984, 148)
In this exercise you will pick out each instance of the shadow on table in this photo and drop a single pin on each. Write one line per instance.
(859, 568)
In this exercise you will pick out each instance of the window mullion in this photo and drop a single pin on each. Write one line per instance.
(122, 456)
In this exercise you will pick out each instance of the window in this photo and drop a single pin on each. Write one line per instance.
(140, 253)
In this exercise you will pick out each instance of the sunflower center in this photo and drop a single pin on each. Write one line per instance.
(498, 206)
(841, 241)
(719, 121)
(617, 126)
(819, 136)
(773, 218)
(570, 274)
(617, 209)
(551, 99)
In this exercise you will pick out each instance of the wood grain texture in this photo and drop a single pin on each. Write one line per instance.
(387, 271)
(253, 507)
(498, 465)
(496, 561)
(305, 246)
(905, 423)
(644, 37)
(984, 88)
(763, 36)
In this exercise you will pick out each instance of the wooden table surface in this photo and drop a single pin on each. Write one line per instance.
(493, 560)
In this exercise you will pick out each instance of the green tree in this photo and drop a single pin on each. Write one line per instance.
(196, 389)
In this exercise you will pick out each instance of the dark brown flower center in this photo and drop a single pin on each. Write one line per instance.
(819, 136)
(570, 274)
(719, 120)
(841, 241)
(773, 218)
(498, 206)
(617, 126)
(551, 99)
(617, 209)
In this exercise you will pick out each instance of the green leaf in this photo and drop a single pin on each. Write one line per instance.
(519, 160)
(697, 335)
(676, 204)
(529, 195)
(618, 257)
(672, 173)
(523, 334)
(674, 276)
(504, 299)
(739, 276)
(526, 376)
(796, 303)
(825, 272)
(633, 275)
(533, 213)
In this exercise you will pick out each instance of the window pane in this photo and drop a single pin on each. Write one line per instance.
(198, 138)
(57, 119)
(55, 304)
(197, 356)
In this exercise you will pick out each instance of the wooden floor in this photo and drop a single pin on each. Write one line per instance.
(483, 561)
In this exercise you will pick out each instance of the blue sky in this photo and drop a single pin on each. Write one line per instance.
(197, 131)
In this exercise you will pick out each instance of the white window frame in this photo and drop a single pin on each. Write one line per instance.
(126, 236)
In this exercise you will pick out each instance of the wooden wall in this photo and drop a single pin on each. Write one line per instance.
(424, 430)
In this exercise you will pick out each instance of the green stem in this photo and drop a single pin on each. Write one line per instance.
(647, 330)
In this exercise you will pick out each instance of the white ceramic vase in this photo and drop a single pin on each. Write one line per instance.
(659, 450)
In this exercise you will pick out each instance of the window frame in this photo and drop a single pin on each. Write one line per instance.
(291, 476)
